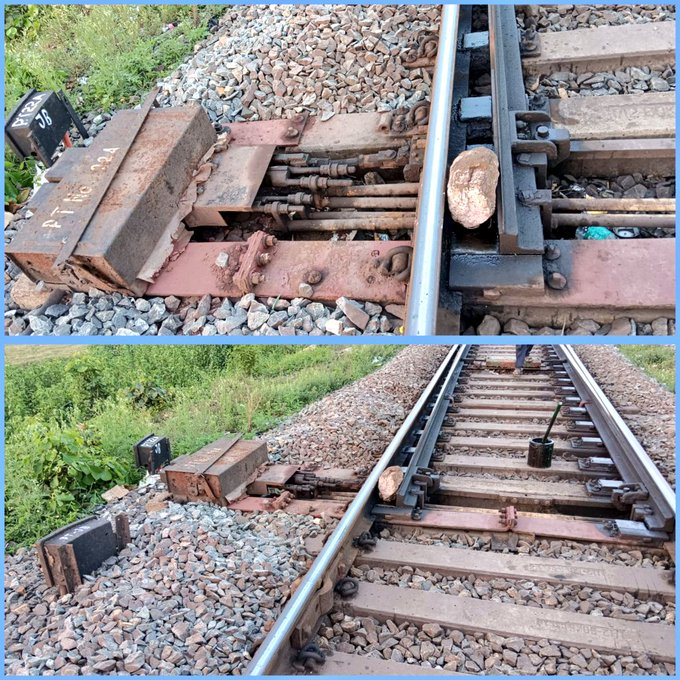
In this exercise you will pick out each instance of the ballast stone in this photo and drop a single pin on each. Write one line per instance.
(471, 189)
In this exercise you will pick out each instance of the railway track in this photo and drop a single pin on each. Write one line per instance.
(481, 564)
(354, 206)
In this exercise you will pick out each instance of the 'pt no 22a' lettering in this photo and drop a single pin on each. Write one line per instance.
(81, 194)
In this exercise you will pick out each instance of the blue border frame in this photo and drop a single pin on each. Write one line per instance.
(342, 340)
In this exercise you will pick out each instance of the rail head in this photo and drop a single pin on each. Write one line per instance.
(270, 652)
(629, 456)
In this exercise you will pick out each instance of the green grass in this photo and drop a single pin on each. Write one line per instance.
(657, 361)
(102, 56)
(71, 421)
(24, 354)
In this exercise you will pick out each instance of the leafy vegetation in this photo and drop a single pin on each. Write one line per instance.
(657, 361)
(102, 56)
(71, 422)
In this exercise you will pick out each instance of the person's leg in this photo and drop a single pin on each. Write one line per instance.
(521, 352)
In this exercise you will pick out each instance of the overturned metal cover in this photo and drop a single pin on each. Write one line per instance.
(139, 201)
(77, 549)
(217, 473)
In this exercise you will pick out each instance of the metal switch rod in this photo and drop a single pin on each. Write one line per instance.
(423, 300)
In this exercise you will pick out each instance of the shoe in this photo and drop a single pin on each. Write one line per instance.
(517, 371)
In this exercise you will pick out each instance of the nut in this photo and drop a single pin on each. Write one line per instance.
(270, 241)
(264, 258)
(256, 277)
(557, 281)
(313, 276)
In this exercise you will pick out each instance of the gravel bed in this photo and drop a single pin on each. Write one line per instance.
(534, 593)
(552, 18)
(431, 646)
(264, 62)
(116, 314)
(192, 593)
(352, 426)
(648, 408)
(627, 80)
(621, 326)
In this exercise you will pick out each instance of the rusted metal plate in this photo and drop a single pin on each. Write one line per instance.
(76, 550)
(632, 277)
(643, 582)
(216, 473)
(234, 183)
(535, 524)
(347, 267)
(315, 508)
(533, 623)
(283, 132)
(65, 164)
(272, 479)
(604, 48)
(103, 170)
(350, 132)
(620, 117)
(135, 211)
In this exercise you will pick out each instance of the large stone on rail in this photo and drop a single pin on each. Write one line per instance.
(389, 482)
(471, 190)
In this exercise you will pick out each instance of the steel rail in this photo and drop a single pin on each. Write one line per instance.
(269, 652)
(630, 458)
(423, 297)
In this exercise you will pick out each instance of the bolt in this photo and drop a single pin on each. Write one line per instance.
(264, 258)
(313, 276)
(375, 253)
(298, 118)
(552, 252)
(557, 281)
(370, 279)
(291, 132)
(270, 241)
(542, 131)
(256, 277)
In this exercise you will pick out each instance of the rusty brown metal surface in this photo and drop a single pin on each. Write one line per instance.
(78, 549)
(283, 132)
(103, 170)
(349, 132)
(636, 275)
(217, 472)
(272, 479)
(315, 508)
(550, 526)
(234, 182)
(664, 205)
(614, 220)
(135, 211)
(347, 268)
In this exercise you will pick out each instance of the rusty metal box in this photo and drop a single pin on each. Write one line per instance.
(218, 473)
(138, 207)
(79, 548)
